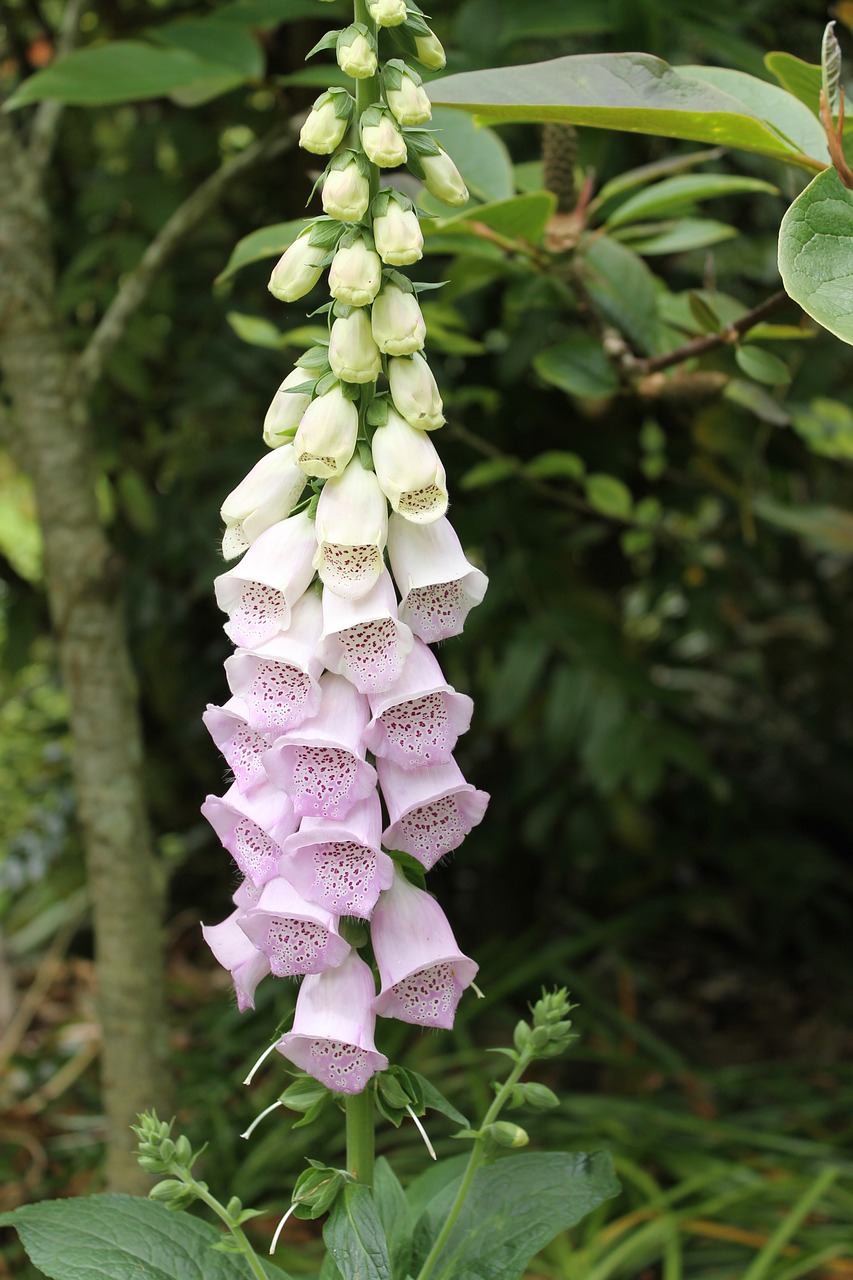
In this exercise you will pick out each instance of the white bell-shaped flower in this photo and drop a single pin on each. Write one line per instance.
(429, 52)
(397, 235)
(351, 529)
(406, 97)
(346, 192)
(297, 270)
(397, 322)
(327, 123)
(353, 353)
(387, 13)
(356, 52)
(286, 409)
(267, 494)
(415, 393)
(325, 439)
(383, 143)
(409, 470)
(355, 274)
(443, 180)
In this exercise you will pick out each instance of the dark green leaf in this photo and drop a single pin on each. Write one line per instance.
(555, 464)
(609, 495)
(255, 330)
(354, 1236)
(522, 217)
(752, 397)
(435, 1100)
(269, 13)
(395, 1215)
(762, 366)
(625, 291)
(826, 528)
(214, 41)
(578, 366)
(489, 472)
(816, 253)
(675, 193)
(514, 1208)
(113, 1237)
(630, 91)
(676, 237)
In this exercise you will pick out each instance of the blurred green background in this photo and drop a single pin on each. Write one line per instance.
(660, 667)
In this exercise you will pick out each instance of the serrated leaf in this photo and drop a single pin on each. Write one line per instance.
(676, 193)
(630, 91)
(354, 1236)
(106, 1237)
(578, 366)
(816, 253)
(609, 495)
(763, 366)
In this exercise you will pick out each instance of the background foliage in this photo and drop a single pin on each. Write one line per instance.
(659, 666)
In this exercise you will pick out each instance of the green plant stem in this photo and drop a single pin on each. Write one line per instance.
(474, 1162)
(360, 1136)
(366, 92)
(255, 1265)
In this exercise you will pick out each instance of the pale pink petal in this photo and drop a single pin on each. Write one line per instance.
(278, 680)
(430, 810)
(241, 745)
(297, 936)
(339, 864)
(252, 827)
(259, 592)
(437, 584)
(246, 964)
(418, 720)
(363, 639)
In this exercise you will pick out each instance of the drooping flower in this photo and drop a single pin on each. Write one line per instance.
(353, 353)
(346, 188)
(363, 639)
(438, 584)
(297, 936)
(321, 765)
(429, 51)
(397, 322)
(404, 92)
(381, 139)
(241, 745)
(415, 392)
(327, 122)
(443, 180)
(422, 970)
(409, 470)
(260, 591)
(356, 273)
(430, 811)
(252, 826)
(396, 230)
(278, 680)
(417, 721)
(351, 530)
(286, 409)
(356, 52)
(297, 270)
(326, 435)
(387, 13)
(339, 863)
(247, 965)
(266, 495)
(332, 1035)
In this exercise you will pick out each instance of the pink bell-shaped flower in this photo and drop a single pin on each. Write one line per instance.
(351, 530)
(339, 864)
(252, 827)
(332, 1036)
(418, 720)
(266, 495)
(241, 745)
(422, 970)
(438, 585)
(259, 592)
(229, 944)
(363, 639)
(430, 810)
(296, 936)
(278, 680)
(321, 764)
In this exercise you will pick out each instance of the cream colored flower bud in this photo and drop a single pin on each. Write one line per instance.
(383, 143)
(415, 392)
(409, 104)
(387, 13)
(355, 274)
(358, 58)
(324, 129)
(297, 270)
(429, 51)
(353, 354)
(346, 193)
(443, 180)
(397, 323)
(325, 440)
(286, 409)
(398, 236)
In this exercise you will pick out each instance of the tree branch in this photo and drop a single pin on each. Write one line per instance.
(134, 288)
(45, 124)
(699, 346)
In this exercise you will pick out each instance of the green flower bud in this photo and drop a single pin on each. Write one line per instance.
(327, 123)
(429, 51)
(538, 1097)
(503, 1133)
(356, 52)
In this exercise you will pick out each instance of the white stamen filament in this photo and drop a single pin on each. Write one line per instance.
(257, 1120)
(422, 1131)
(266, 1053)
(280, 1228)
(477, 992)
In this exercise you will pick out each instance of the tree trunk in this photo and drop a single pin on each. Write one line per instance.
(50, 431)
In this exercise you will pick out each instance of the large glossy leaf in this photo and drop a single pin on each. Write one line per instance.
(500, 23)
(579, 366)
(125, 71)
(663, 198)
(816, 253)
(628, 91)
(802, 79)
(791, 119)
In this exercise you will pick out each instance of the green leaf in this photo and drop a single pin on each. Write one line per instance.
(826, 528)
(830, 68)
(676, 237)
(630, 91)
(126, 71)
(753, 398)
(556, 464)
(645, 173)
(609, 495)
(578, 366)
(816, 253)
(826, 426)
(489, 472)
(514, 1208)
(266, 242)
(522, 217)
(270, 13)
(395, 1215)
(762, 366)
(500, 23)
(436, 1100)
(676, 193)
(354, 1236)
(255, 330)
(624, 290)
(111, 1237)
(214, 41)
(802, 79)
(479, 155)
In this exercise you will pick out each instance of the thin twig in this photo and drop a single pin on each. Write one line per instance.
(710, 341)
(45, 124)
(135, 286)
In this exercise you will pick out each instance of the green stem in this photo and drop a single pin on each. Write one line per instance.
(474, 1162)
(255, 1265)
(360, 1136)
(366, 92)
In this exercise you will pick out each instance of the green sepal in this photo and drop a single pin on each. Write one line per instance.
(326, 383)
(326, 232)
(351, 390)
(425, 286)
(343, 39)
(365, 455)
(321, 311)
(414, 870)
(342, 309)
(247, 1214)
(423, 142)
(315, 358)
(395, 71)
(341, 159)
(393, 276)
(343, 102)
(313, 1112)
(302, 389)
(507, 1053)
(466, 1135)
(303, 1093)
(227, 1244)
(234, 1207)
(385, 197)
(311, 513)
(329, 41)
(377, 414)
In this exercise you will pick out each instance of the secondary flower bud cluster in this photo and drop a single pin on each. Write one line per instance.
(340, 728)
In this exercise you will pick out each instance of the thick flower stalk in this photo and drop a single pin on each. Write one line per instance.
(341, 727)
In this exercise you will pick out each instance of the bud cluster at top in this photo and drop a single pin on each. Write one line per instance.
(341, 727)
